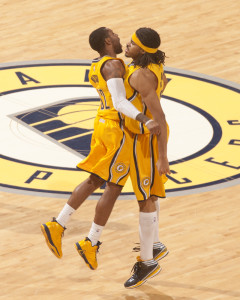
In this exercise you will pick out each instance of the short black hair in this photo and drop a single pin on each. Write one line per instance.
(97, 38)
(150, 38)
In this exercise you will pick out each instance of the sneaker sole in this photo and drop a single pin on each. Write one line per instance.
(153, 274)
(49, 241)
(161, 255)
(81, 253)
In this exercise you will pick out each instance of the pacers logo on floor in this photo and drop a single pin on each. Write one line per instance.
(47, 116)
(65, 122)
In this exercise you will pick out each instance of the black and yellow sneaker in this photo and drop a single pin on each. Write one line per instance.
(159, 251)
(53, 233)
(88, 252)
(142, 271)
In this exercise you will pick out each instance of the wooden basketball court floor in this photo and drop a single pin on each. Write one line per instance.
(200, 230)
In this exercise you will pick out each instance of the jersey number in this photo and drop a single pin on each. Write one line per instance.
(103, 100)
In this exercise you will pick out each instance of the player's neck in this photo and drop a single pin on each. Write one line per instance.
(108, 53)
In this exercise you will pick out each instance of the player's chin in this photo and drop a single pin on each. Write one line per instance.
(119, 50)
(126, 53)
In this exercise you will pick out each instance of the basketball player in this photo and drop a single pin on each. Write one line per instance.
(144, 83)
(110, 155)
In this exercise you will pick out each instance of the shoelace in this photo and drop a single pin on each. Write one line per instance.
(136, 267)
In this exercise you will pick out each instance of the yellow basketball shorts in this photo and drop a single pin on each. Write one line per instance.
(110, 153)
(146, 180)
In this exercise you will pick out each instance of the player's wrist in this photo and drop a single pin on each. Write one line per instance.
(146, 123)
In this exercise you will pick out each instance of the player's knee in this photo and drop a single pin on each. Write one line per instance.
(148, 205)
(153, 198)
(95, 180)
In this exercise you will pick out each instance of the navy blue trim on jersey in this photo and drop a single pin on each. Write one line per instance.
(141, 124)
(152, 162)
(116, 153)
(134, 95)
(137, 170)
(121, 120)
(95, 60)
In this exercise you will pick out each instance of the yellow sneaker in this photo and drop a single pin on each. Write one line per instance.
(88, 252)
(53, 233)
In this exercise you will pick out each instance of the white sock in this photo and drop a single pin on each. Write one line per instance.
(150, 262)
(147, 224)
(95, 233)
(65, 215)
(156, 229)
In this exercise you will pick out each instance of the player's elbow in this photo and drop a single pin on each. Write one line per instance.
(117, 105)
(120, 103)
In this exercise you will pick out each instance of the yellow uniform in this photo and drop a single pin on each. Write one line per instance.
(145, 178)
(106, 109)
(109, 157)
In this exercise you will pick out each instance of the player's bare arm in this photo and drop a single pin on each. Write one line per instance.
(145, 82)
(113, 69)
(165, 82)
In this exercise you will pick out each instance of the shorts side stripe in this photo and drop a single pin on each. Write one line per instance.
(116, 155)
(136, 167)
(152, 162)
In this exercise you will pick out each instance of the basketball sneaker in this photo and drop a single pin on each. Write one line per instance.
(53, 233)
(142, 271)
(159, 251)
(88, 252)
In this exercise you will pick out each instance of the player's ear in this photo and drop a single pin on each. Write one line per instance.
(108, 41)
(142, 51)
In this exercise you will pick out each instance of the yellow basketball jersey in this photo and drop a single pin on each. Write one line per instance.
(135, 98)
(106, 109)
